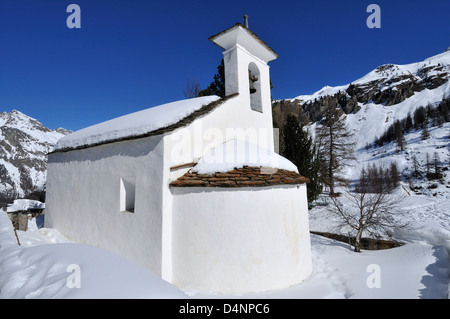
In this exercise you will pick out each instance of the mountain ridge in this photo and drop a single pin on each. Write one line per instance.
(387, 85)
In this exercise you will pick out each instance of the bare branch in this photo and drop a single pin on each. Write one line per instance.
(192, 89)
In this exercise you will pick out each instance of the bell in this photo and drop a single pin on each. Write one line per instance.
(251, 79)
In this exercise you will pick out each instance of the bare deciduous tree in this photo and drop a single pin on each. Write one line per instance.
(373, 213)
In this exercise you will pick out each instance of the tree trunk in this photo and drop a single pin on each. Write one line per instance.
(358, 240)
(330, 167)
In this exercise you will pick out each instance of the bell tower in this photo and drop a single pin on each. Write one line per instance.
(245, 62)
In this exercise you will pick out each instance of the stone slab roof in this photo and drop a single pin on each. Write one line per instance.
(241, 177)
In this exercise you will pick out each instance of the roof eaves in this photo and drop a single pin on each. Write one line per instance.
(204, 110)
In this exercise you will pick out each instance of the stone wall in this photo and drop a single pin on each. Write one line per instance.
(19, 220)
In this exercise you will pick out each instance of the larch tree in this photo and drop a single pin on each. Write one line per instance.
(399, 137)
(335, 146)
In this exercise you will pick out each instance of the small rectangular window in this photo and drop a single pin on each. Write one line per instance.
(127, 195)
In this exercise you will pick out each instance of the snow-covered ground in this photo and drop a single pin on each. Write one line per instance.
(44, 266)
(418, 269)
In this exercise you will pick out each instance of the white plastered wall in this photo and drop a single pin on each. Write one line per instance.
(83, 198)
(237, 61)
(232, 119)
(240, 240)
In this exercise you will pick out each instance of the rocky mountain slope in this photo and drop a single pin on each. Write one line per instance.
(24, 144)
(389, 85)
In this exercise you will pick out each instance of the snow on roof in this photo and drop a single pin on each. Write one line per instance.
(20, 205)
(135, 124)
(239, 153)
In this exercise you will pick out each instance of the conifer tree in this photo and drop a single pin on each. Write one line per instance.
(436, 161)
(419, 117)
(299, 149)
(415, 166)
(408, 122)
(428, 164)
(217, 86)
(399, 137)
(395, 175)
(425, 133)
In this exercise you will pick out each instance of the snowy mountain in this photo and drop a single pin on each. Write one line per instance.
(376, 100)
(24, 144)
(373, 103)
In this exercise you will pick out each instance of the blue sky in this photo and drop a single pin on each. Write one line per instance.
(134, 54)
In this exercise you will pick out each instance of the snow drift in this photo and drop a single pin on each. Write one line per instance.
(42, 269)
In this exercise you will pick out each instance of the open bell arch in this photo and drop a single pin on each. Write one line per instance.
(254, 80)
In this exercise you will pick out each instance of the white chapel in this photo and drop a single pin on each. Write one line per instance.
(193, 190)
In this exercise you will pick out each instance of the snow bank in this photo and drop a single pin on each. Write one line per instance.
(134, 124)
(24, 205)
(418, 269)
(239, 153)
(412, 271)
(68, 270)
